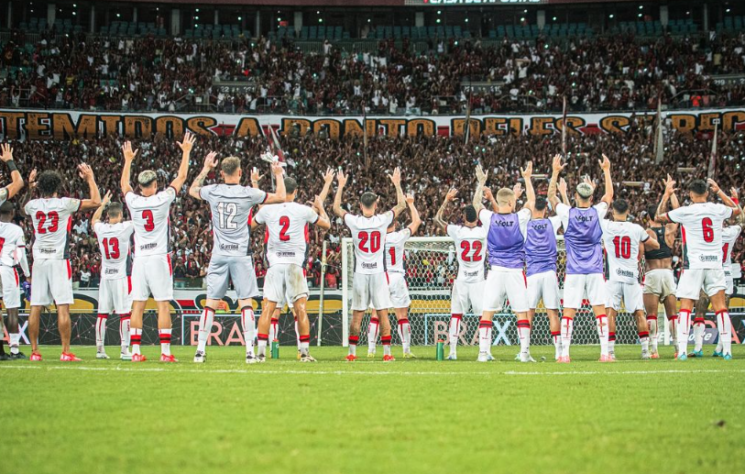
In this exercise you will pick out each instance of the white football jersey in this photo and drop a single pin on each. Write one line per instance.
(151, 219)
(287, 225)
(11, 239)
(394, 250)
(622, 241)
(231, 205)
(701, 231)
(52, 219)
(470, 249)
(368, 235)
(729, 237)
(114, 243)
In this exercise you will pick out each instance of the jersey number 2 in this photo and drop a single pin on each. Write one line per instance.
(52, 225)
(284, 221)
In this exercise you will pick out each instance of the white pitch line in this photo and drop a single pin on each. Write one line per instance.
(361, 372)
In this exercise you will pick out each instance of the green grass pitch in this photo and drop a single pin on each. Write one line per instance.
(409, 416)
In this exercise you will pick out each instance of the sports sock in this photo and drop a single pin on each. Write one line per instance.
(672, 321)
(523, 332)
(719, 348)
(386, 340)
(699, 324)
(136, 340)
(454, 331)
(601, 323)
(205, 328)
(611, 342)
(15, 339)
(404, 332)
(101, 331)
(372, 334)
(124, 322)
(556, 336)
(724, 324)
(304, 343)
(485, 328)
(273, 330)
(165, 341)
(683, 326)
(644, 340)
(567, 325)
(653, 337)
(263, 338)
(297, 334)
(353, 340)
(248, 322)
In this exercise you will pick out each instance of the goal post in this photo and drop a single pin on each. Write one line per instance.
(431, 267)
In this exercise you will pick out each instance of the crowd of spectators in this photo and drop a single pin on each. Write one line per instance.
(430, 165)
(618, 72)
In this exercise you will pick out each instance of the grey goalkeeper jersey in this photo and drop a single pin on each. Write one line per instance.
(231, 206)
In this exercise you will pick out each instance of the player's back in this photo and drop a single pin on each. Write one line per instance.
(231, 205)
(622, 241)
(540, 245)
(52, 220)
(287, 228)
(469, 250)
(701, 233)
(664, 251)
(114, 244)
(11, 237)
(151, 219)
(369, 236)
(582, 237)
(730, 234)
(395, 243)
(506, 237)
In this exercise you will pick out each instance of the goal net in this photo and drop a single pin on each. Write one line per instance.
(431, 268)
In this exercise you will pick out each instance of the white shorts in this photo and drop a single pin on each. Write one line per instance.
(730, 290)
(467, 296)
(630, 293)
(51, 282)
(152, 274)
(240, 270)
(370, 290)
(505, 284)
(660, 282)
(579, 287)
(399, 290)
(544, 286)
(285, 283)
(709, 280)
(115, 295)
(11, 287)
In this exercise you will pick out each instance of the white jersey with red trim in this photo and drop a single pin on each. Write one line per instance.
(622, 241)
(701, 229)
(114, 243)
(369, 236)
(394, 250)
(11, 239)
(470, 250)
(231, 206)
(730, 235)
(151, 219)
(52, 219)
(287, 224)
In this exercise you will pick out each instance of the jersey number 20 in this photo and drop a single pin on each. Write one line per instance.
(369, 243)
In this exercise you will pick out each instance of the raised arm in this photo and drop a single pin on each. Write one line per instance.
(341, 181)
(563, 191)
(556, 167)
(662, 208)
(439, 217)
(323, 219)
(726, 200)
(736, 200)
(490, 197)
(129, 156)
(29, 191)
(400, 197)
(280, 194)
(183, 169)
(210, 162)
(478, 195)
(605, 166)
(416, 221)
(99, 212)
(86, 172)
(328, 180)
(16, 183)
(527, 174)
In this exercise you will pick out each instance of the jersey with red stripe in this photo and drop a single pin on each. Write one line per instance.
(11, 239)
(114, 243)
(368, 235)
(394, 250)
(470, 249)
(622, 241)
(730, 235)
(52, 219)
(701, 228)
(287, 224)
(231, 206)
(150, 216)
